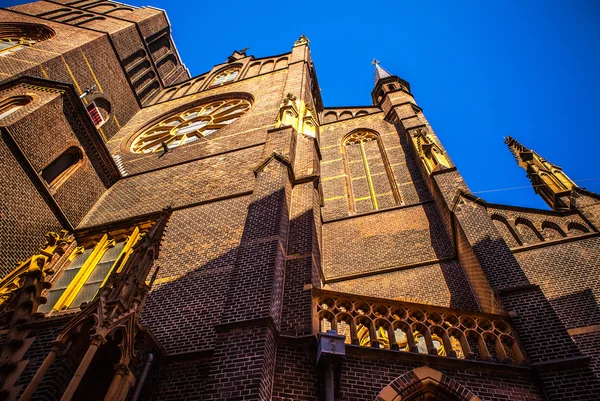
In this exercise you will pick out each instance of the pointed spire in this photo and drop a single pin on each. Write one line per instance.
(548, 180)
(380, 72)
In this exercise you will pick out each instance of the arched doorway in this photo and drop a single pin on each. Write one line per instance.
(425, 384)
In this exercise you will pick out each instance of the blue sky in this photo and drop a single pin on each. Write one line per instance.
(481, 70)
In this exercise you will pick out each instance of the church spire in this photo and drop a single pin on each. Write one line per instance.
(548, 180)
(385, 83)
(380, 72)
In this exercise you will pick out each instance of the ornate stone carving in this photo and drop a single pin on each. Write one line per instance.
(433, 157)
(418, 328)
(302, 40)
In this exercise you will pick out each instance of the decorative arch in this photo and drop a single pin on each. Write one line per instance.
(281, 63)
(330, 117)
(14, 37)
(576, 229)
(267, 66)
(552, 230)
(253, 69)
(346, 115)
(369, 179)
(508, 233)
(528, 232)
(425, 383)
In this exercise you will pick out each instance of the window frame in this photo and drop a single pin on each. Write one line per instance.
(232, 72)
(100, 247)
(64, 175)
(360, 136)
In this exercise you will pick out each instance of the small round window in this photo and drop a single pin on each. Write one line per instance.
(189, 126)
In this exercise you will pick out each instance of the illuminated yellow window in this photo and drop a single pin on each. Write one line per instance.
(370, 181)
(225, 77)
(87, 271)
(14, 37)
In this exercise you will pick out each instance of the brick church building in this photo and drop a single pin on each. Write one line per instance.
(229, 237)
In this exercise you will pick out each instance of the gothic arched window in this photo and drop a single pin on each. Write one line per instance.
(371, 184)
(14, 37)
(61, 168)
(225, 77)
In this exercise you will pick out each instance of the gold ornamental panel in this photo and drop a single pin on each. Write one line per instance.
(189, 126)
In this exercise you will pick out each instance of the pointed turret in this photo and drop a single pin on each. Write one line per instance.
(385, 83)
(380, 72)
(548, 180)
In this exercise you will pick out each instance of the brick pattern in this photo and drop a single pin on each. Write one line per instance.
(183, 381)
(588, 344)
(187, 184)
(295, 373)
(60, 372)
(23, 224)
(525, 227)
(366, 372)
(84, 187)
(407, 177)
(297, 306)
(249, 239)
(75, 55)
(447, 285)
(197, 255)
(264, 93)
(388, 239)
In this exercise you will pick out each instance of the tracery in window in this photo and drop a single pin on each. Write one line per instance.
(371, 184)
(89, 268)
(225, 77)
(61, 168)
(14, 37)
(12, 104)
(191, 125)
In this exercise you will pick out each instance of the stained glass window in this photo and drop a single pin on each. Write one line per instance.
(189, 126)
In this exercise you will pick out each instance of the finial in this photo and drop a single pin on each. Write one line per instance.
(243, 51)
(302, 40)
(375, 62)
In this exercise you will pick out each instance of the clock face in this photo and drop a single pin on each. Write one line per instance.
(189, 126)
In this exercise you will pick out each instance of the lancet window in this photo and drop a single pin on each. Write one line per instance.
(225, 77)
(370, 181)
(88, 269)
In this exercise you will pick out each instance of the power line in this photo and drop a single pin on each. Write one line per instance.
(526, 186)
